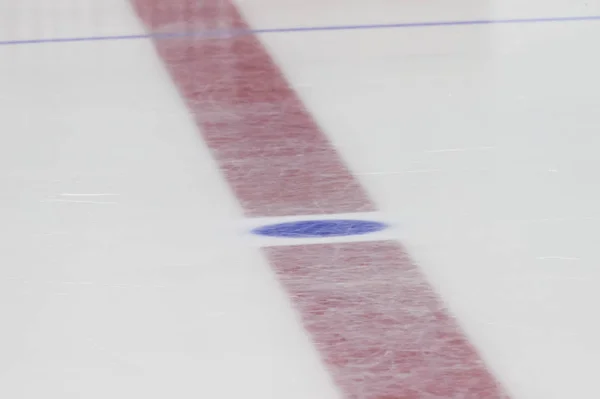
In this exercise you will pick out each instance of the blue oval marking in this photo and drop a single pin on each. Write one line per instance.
(320, 228)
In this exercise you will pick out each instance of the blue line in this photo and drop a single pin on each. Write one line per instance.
(232, 33)
(431, 24)
(72, 39)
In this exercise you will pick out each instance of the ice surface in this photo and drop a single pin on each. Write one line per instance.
(129, 165)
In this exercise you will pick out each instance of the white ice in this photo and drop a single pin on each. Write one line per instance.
(121, 274)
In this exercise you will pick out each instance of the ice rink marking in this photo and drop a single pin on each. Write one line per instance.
(379, 326)
(392, 232)
(236, 32)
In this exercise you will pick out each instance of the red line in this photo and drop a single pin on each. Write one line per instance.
(381, 330)
(256, 127)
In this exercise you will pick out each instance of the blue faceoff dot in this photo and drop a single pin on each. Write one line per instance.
(320, 228)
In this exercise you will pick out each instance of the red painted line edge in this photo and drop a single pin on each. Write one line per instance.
(256, 127)
(380, 328)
